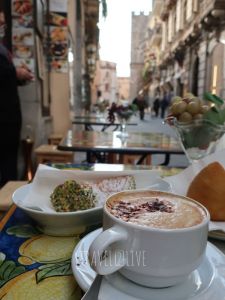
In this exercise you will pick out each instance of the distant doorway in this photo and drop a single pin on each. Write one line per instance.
(194, 88)
(215, 70)
(180, 88)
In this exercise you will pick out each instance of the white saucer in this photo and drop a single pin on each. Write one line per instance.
(217, 234)
(205, 283)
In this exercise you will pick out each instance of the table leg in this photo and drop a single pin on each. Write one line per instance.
(89, 156)
(101, 157)
(116, 127)
(112, 158)
(92, 155)
(136, 159)
(167, 159)
(105, 127)
(141, 159)
(88, 127)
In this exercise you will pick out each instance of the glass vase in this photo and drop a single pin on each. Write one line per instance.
(123, 118)
(198, 138)
(123, 126)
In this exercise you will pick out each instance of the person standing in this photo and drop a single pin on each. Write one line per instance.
(141, 104)
(10, 111)
(164, 104)
(156, 105)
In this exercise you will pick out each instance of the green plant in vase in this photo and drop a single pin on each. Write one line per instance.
(198, 124)
(123, 113)
(101, 106)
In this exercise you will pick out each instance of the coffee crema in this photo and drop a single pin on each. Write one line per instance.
(156, 211)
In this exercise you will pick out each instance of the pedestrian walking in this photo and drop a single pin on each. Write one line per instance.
(164, 105)
(141, 104)
(156, 105)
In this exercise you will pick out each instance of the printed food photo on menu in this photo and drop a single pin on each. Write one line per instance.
(57, 19)
(59, 65)
(22, 21)
(21, 51)
(23, 36)
(22, 7)
(58, 34)
(59, 50)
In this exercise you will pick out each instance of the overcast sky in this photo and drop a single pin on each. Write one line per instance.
(115, 32)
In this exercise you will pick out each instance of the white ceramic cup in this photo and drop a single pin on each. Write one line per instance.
(152, 257)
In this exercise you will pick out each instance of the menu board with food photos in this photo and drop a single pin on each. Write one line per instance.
(58, 34)
(23, 34)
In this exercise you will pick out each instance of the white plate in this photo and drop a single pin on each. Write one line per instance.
(58, 224)
(217, 234)
(205, 283)
(217, 230)
(46, 179)
(76, 222)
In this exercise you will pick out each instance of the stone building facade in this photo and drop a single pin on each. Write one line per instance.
(104, 86)
(139, 27)
(123, 87)
(190, 51)
(151, 74)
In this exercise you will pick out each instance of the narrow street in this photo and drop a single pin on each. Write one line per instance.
(152, 124)
(149, 124)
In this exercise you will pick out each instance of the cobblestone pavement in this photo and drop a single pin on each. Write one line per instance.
(150, 124)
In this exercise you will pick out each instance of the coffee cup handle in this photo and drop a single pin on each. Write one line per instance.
(114, 260)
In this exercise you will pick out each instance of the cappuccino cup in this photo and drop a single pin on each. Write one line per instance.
(153, 238)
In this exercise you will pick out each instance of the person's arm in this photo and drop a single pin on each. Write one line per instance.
(24, 75)
(5, 69)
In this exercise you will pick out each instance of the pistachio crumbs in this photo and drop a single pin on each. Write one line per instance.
(72, 196)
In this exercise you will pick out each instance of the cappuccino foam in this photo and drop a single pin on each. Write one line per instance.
(156, 211)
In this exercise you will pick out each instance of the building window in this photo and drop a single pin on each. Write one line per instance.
(106, 87)
(164, 34)
(170, 27)
(178, 16)
(184, 12)
(214, 79)
(195, 72)
(195, 5)
(188, 9)
(174, 22)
